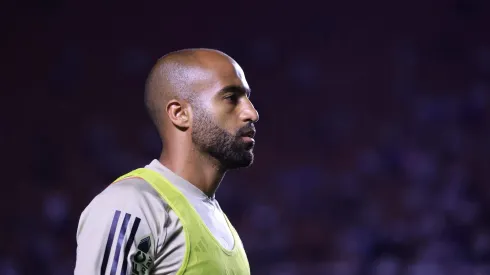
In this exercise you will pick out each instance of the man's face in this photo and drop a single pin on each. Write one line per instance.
(223, 121)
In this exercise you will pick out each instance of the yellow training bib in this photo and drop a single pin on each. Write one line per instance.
(204, 255)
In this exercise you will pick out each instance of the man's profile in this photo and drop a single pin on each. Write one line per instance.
(164, 218)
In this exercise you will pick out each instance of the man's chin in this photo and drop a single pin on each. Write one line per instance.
(246, 160)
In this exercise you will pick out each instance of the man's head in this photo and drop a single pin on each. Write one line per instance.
(199, 99)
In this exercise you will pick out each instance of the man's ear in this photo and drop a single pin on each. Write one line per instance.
(179, 113)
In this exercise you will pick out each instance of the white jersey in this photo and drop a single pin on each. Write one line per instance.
(129, 229)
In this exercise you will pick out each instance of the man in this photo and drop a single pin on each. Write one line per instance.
(164, 218)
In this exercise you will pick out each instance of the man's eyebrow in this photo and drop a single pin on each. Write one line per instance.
(236, 88)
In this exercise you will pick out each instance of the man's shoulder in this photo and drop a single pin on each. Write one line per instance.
(129, 193)
(130, 185)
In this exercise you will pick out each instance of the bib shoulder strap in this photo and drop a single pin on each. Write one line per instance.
(134, 173)
(173, 197)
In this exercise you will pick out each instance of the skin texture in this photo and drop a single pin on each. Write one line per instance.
(199, 100)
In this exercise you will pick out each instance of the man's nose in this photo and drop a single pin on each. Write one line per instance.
(249, 113)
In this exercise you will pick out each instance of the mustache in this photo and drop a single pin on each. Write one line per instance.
(246, 129)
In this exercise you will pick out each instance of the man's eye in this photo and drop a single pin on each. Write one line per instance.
(231, 98)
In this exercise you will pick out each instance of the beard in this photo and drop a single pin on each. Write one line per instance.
(230, 150)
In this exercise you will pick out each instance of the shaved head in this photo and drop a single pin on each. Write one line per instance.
(179, 75)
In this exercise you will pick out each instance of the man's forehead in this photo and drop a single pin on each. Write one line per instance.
(235, 76)
(219, 77)
(241, 75)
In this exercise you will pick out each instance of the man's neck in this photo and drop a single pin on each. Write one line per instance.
(202, 171)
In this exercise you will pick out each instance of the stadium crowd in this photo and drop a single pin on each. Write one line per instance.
(372, 152)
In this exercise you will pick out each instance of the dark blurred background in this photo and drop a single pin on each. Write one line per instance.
(372, 151)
